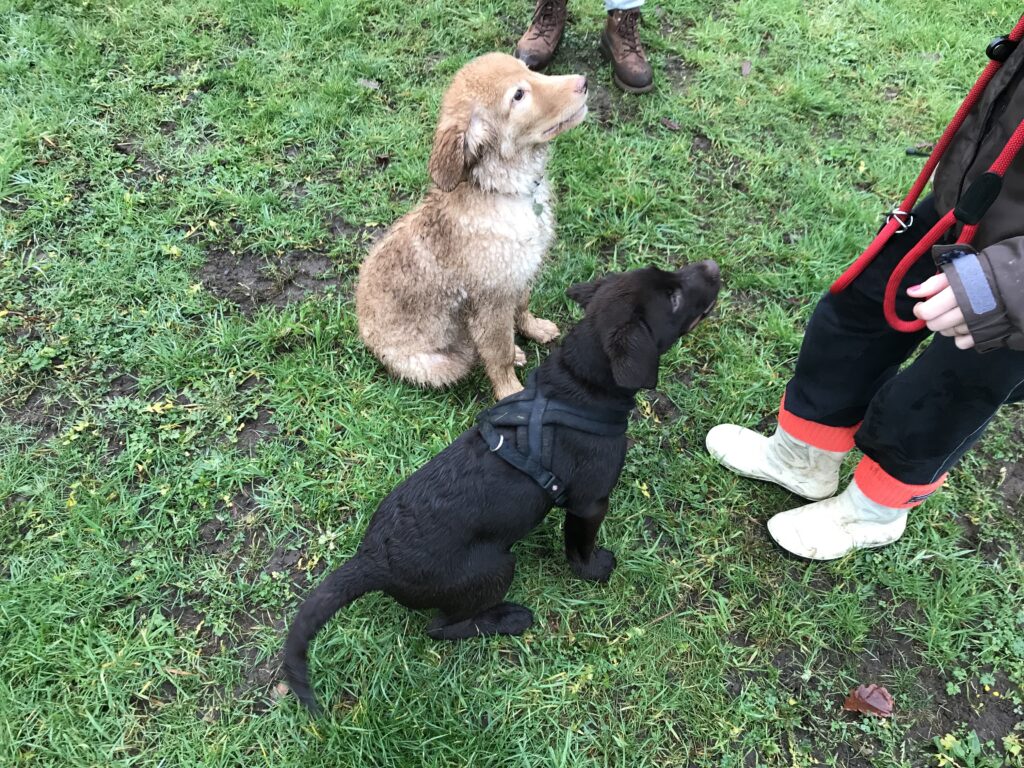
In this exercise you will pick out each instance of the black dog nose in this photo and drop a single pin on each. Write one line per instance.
(712, 268)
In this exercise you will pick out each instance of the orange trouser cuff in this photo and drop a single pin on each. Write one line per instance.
(882, 488)
(825, 438)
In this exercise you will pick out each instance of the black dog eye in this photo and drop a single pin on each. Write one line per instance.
(676, 299)
(518, 95)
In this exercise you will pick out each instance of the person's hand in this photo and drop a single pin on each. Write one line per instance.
(939, 309)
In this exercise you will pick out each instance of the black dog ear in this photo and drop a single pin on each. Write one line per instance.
(633, 355)
(582, 293)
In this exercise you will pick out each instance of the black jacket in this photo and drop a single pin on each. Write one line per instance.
(989, 282)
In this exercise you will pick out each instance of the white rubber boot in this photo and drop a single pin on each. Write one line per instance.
(781, 459)
(830, 529)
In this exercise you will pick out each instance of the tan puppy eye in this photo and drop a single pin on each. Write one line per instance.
(518, 95)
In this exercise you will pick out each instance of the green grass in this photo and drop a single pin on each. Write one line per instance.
(154, 547)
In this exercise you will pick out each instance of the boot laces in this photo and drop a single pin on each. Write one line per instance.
(545, 19)
(627, 29)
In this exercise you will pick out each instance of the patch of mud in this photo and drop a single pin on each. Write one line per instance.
(141, 168)
(230, 526)
(236, 536)
(250, 280)
(291, 561)
(655, 534)
(238, 642)
(670, 26)
(1011, 474)
(721, 169)
(260, 673)
(678, 73)
(43, 411)
(664, 409)
(990, 713)
(214, 537)
(924, 706)
(154, 699)
(608, 107)
(341, 229)
(296, 191)
(700, 144)
(1004, 474)
(125, 385)
(255, 430)
(14, 205)
(599, 104)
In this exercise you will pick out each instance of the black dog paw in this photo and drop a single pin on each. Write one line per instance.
(514, 620)
(598, 568)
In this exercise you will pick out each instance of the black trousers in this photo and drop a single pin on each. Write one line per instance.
(919, 421)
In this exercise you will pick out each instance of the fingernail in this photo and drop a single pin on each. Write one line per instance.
(914, 288)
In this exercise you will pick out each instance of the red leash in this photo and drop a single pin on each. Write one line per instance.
(972, 206)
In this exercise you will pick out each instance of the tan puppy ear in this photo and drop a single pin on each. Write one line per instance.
(447, 164)
(458, 143)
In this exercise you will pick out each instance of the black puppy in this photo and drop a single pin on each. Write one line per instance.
(442, 539)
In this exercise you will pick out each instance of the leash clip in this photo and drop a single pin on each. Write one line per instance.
(1001, 49)
(905, 218)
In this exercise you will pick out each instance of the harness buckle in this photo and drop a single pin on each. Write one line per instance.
(556, 488)
(1001, 49)
(905, 218)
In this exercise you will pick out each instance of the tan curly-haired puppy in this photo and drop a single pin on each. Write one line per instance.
(450, 281)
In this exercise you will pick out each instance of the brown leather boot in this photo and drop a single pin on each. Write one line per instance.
(620, 43)
(538, 44)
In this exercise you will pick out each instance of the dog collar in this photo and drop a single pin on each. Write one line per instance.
(534, 418)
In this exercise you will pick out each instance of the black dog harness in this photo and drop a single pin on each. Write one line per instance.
(534, 417)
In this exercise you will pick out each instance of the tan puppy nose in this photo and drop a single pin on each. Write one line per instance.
(581, 86)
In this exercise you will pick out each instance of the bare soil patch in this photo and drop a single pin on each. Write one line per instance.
(43, 411)
(664, 409)
(141, 167)
(990, 713)
(679, 74)
(341, 229)
(15, 205)
(255, 430)
(123, 385)
(250, 280)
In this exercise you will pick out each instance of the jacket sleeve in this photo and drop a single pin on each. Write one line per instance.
(989, 287)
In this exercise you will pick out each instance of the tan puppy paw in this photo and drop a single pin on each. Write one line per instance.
(520, 359)
(540, 330)
(503, 391)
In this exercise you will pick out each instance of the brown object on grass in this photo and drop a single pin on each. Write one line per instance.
(870, 700)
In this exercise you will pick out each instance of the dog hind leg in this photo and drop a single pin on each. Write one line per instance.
(500, 619)
(474, 607)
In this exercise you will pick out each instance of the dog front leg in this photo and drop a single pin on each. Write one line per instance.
(581, 526)
(493, 334)
(535, 328)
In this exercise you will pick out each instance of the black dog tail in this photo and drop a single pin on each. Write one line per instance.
(341, 587)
